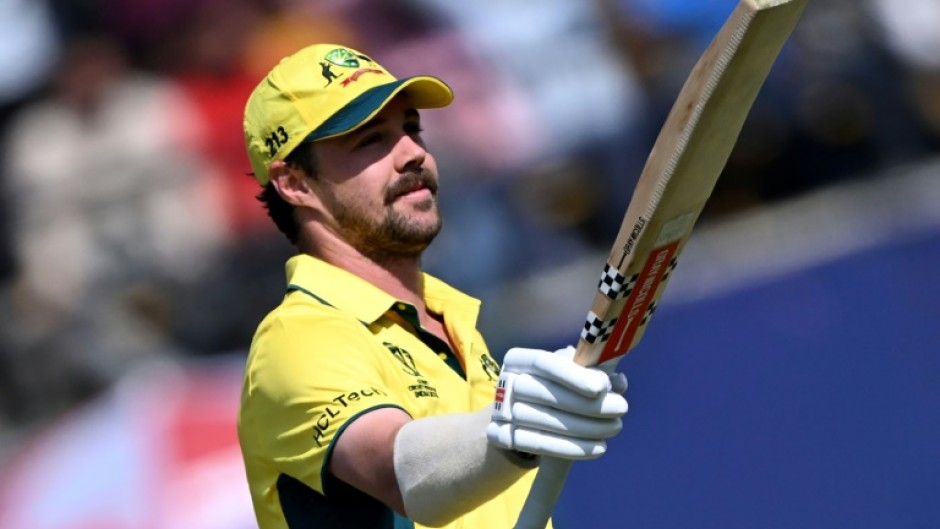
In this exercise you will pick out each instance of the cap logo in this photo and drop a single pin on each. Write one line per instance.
(346, 59)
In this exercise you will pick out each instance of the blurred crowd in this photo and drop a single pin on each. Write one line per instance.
(128, 225)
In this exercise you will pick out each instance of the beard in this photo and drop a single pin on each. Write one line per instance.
(393, 234)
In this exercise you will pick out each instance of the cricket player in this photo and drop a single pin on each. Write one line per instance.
(370, 399)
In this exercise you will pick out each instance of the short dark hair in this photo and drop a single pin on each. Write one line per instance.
(279, 210)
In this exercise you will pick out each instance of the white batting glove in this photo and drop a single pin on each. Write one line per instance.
(548, 405)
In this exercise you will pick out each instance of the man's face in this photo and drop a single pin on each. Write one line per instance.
(379, 185)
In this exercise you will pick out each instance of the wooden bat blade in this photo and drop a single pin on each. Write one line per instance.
(686, 160)
(689, 155)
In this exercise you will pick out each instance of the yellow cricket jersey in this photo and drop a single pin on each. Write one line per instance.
(338, 347)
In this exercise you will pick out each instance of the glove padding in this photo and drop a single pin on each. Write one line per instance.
(548, 405)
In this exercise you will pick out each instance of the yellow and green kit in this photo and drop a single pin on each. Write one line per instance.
(338, 347)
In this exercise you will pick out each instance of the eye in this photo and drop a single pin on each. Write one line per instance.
(413, 129)
(369, 139)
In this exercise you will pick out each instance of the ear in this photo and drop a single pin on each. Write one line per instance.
(291, 184)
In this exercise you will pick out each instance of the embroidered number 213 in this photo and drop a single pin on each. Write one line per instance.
(275, 140)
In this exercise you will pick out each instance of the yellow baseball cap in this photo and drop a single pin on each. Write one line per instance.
(321, 91)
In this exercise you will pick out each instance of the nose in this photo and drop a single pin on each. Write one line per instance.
(409, 153)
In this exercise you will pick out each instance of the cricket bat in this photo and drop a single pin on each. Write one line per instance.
(687, 158)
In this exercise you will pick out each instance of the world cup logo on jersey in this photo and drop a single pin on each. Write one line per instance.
(403, 356)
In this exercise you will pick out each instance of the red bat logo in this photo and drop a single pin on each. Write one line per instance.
(629, 321)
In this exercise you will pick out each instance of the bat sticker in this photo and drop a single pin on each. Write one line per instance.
(615, 285)
(595, 329)
(648, 282)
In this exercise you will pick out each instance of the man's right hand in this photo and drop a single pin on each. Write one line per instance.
(548, 405)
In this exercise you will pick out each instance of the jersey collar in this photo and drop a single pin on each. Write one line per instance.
(365, 301)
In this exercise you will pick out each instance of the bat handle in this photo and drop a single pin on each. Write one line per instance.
(545, 491)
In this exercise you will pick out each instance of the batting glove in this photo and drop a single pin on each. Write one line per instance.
(548, 405)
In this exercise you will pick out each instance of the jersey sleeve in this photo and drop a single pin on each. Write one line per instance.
(309, 374)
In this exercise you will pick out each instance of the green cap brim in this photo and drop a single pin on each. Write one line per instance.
(424, 91)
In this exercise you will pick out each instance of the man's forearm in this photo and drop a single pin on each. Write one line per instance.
(445, 467)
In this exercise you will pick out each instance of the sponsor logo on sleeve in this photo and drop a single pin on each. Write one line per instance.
(336, 410)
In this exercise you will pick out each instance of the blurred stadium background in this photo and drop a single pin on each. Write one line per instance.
(791, 379)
